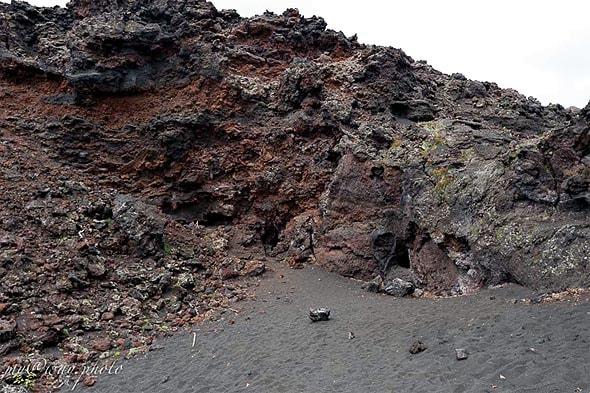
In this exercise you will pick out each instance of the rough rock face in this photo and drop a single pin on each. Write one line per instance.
(152, 143)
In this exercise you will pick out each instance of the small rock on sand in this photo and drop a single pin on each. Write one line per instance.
(319, 314)
(398, 287)
(375, 285)
(417, 347)
(254, 268)
(461, 354)
(89, 381)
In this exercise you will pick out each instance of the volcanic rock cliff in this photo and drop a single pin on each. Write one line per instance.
(152, 150)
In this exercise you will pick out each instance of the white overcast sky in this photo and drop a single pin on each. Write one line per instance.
(539, 47)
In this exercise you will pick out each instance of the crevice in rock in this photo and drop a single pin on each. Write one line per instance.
(400, 109)
(377, 173)
(508, 278)
(215, 219)
(403, 256)
(311, 243)
(390, 251)
(270, 236)
(205, 212)
(452, 243)
(334, 157)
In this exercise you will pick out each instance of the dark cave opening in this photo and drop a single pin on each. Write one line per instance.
(402, 256)
(270, 237)
(400, 109)
(212, 219)
(390, 251)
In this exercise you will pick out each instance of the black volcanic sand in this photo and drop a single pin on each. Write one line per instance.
(273, 346)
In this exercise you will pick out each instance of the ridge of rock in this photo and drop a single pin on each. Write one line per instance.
(153, 150)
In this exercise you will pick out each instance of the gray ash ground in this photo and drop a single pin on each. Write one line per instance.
(271, 345)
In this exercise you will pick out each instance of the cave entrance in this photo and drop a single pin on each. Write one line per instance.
(212, 219)
(390, 252)
(402, 256)
(270, 236)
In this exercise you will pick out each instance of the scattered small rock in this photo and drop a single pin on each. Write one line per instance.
(228, 273)
(375, 285)
(8, 330)
(458, 76)
(253, 268)
(5, 348)
(351, 335)
(6, 388)
(96, 269)
(417, 347)
(319, 314)
(461, 354)
(537, 299)
(418, 293)
(89, 381)
(101, 345)
(296, 263)
(107, 316)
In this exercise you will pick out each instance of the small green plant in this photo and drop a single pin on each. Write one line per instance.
(215, 243)
(430, 125)
(427, 148)
(27, 380)
(438, 139)
(514, 154)
(500, 233)
(133, 351)
(146, 326)
(167, 249)
(397, 142)
(443, 179)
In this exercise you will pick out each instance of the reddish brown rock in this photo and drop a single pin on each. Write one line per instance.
(108, 316)
(96, 269)
(355, 201)
(253, 268)
(89, 381)
(7, 330)
(228, 273)
(432, 266)
(101, 345)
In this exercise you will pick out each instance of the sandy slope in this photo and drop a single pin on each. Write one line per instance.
(273, 347)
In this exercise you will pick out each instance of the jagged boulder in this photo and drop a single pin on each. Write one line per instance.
(398, 287)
